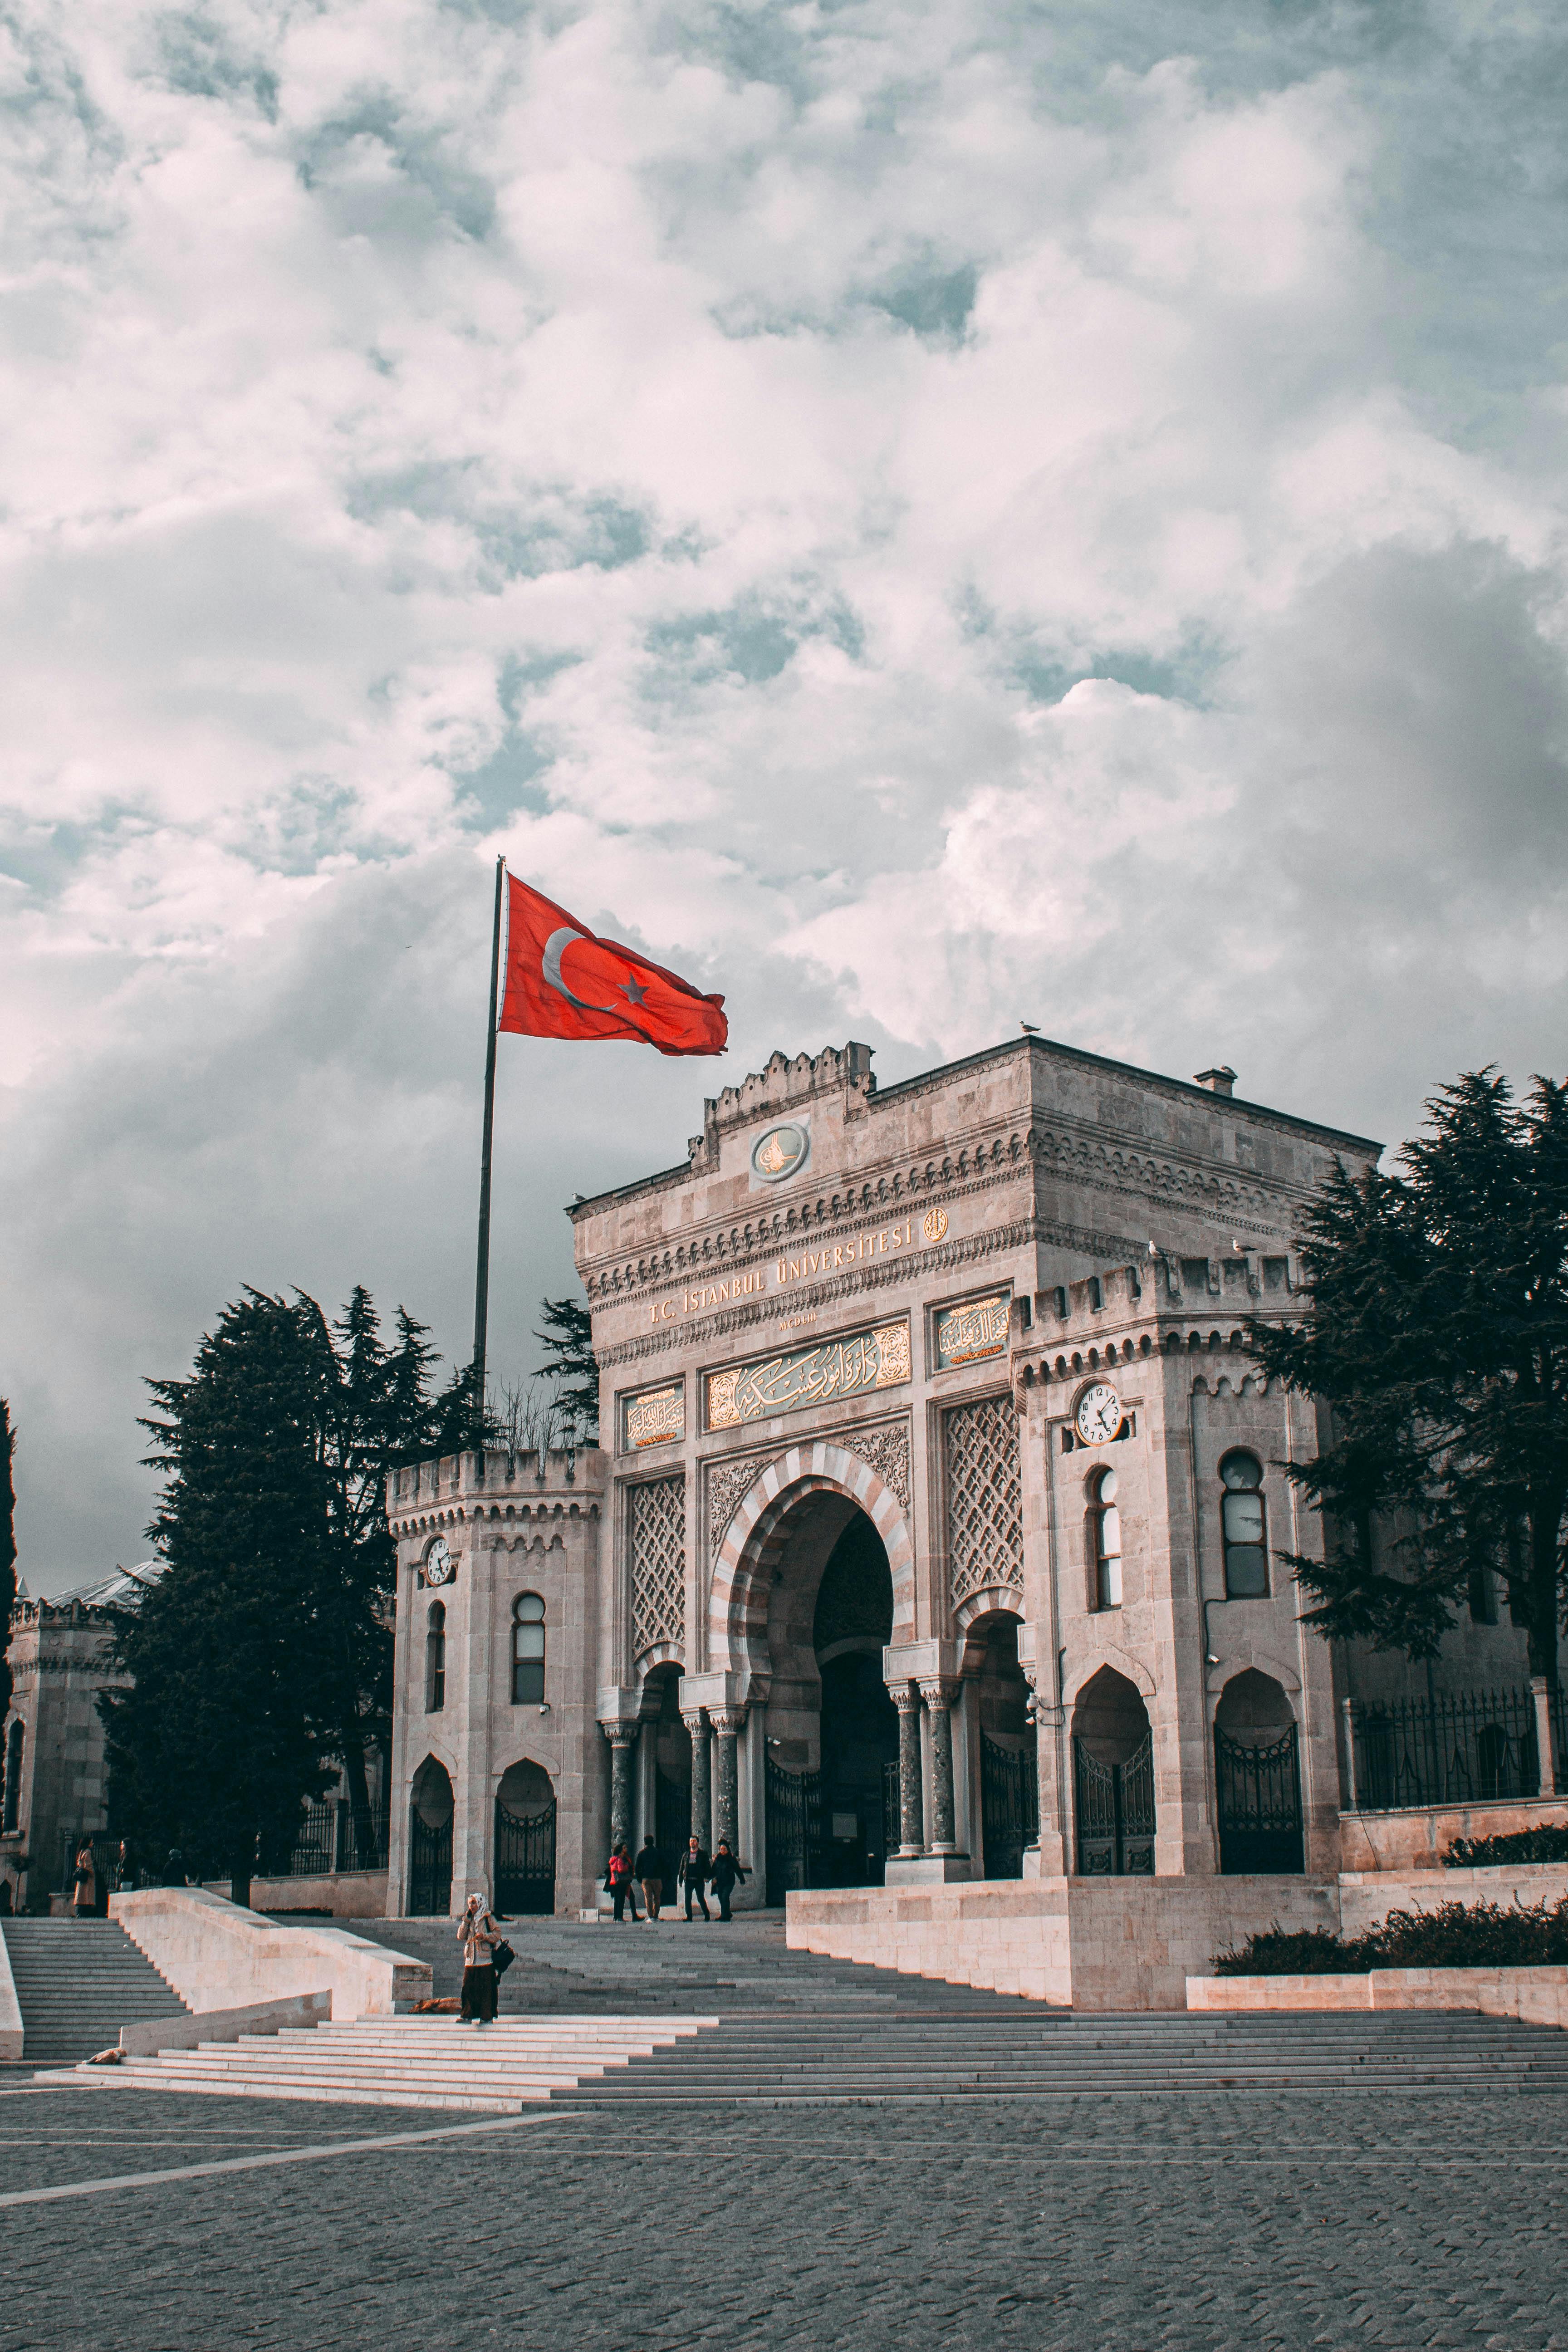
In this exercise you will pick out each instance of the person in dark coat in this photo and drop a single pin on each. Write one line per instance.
(724, 1871)
(692, 1873)
(651, 1874)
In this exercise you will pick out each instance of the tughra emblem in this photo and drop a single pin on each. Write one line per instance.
(780, 1153)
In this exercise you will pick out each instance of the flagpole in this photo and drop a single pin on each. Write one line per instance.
(483, 1271)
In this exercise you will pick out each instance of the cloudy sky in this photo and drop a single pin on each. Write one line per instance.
(925, 513)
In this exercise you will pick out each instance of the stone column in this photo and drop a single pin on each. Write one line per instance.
(1544, 1746)
(727, 1722)
(939, 1696)
(622, 1738)
(701, 1790)
(911, 1807)
(1050, 1842)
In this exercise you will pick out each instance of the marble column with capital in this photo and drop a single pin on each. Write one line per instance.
(702, 1778)
(911, 1804)
(727, 1722)
(622, 1738)
(938, 1695)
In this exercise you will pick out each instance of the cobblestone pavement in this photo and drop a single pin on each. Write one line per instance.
(1165, 2223)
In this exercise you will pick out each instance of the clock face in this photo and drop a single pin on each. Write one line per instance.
(438, 1563)
(1099, 1415)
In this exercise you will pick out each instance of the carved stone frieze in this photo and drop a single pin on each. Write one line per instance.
(886, 1450)
(727, 1482)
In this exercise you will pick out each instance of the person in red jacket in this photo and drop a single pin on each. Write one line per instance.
(618, 1877)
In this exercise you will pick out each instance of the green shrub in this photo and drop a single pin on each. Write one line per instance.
(1279, 1952)
(1546, 1844)
(1454, 1935)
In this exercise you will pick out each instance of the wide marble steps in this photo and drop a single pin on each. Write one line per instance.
(402, 2062)
(771, 2059)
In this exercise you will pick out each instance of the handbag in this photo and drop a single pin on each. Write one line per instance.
(502, 1957)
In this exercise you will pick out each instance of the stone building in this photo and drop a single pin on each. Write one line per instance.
(52, 1745)
(933, 1531)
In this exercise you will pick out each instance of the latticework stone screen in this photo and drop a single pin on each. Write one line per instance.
(657, 1537)
(984, 1499)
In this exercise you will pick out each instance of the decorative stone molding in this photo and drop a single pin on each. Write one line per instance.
(727, 1482)
(887, 1451)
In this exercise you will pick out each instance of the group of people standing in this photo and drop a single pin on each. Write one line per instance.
(694, 1873)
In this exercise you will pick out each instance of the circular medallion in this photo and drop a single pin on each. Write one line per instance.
(440, 1566)
(781, 1153)
(1099, 1415)
(933, 1224)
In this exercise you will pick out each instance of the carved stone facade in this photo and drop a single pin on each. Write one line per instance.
(980, 1335)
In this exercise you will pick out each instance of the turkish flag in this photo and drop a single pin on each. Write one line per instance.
(561, 982)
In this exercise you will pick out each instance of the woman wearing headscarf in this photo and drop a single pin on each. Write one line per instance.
(478, 1935)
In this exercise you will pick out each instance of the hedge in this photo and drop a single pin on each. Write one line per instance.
(1547, 1844)
(1482, 1935)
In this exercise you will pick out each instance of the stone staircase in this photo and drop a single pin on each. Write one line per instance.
(78, 1982)
(778, 2060)
(773, 2061)
(402, 2062)
(564, 1967)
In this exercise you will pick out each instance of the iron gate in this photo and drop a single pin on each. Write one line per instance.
(794, 1830)
(1009, 1806)
(1114, 1814)
(429, 1867)
(525, 1862)
(1258, 1792)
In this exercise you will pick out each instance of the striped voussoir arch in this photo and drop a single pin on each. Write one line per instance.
(743, 1570)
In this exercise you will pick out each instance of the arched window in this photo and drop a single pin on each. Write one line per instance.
(1105, 1536)
(435, 1658)
(13, 1738)
(528, 1650)
(1242, 1528)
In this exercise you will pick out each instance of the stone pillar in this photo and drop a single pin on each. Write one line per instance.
(1048, 1856)
(1544, 1747)
(622, 1738)
(701, 1792)
(939, 1696)
(911, 1806)
(1347, 1714)
(727, 1722)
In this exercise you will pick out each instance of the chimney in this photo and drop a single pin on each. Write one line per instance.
(1218, 1082)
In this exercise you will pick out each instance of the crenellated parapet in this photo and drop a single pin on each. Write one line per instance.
(527, 1489)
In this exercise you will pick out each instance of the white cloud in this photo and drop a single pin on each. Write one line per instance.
(926, 518)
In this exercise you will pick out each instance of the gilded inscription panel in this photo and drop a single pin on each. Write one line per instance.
(877, 1359)
(977, 1328)
(654, 1417)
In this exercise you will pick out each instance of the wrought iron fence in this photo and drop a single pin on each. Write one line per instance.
(327, 1840)
(1455, 1747)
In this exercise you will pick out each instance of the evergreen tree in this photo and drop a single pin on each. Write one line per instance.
(1437, 1336)
(570, 1364)
(8, 1551)
(278, 1450)
(224, 1730)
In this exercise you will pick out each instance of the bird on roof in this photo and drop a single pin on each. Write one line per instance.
(1029, 1028)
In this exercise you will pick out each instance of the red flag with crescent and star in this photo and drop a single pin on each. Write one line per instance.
(561, 982)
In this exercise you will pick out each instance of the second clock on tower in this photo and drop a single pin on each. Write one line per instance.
(1099, 1415)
